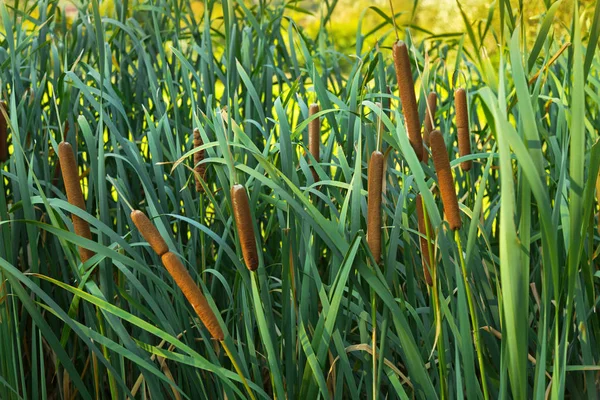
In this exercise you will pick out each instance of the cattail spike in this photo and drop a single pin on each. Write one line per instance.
(445, 179)
(375, 176)
(423, 240)
(406, 88)
(149, 232)
(70, 175)
(429, 122)
(462, 126)
(200, 169)
(243, 221)
(314, 137)
(193, 294)
(3, 133)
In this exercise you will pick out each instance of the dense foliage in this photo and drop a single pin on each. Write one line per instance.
(319, 317)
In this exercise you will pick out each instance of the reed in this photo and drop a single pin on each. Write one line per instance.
(375, 176)
(70, 176)
(429, 122)
(245, 229)
(406, 88)
(149, 232)
(445, 179)
(314, 137)
(193, 294)
(423, 229)
(462, 127)
(199, 169)
(3, 132)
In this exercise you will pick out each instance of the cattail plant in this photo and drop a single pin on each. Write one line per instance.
(243, 221)
(423, 229)
(462, 126)
(179, 274)
(199, 169)
(3, 133)
(70, 176)
(314, 137)
(406, 87)
(375, 175)
(445, 179)
(429, 121)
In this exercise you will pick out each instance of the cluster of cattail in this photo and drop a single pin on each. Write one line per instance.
(445, 179)
(314, 137)
(3, 132)
(243, 221)
(199, 168)
(423, 230)
(179, 274)
(462, 127)
(428, 123)
(375, 178)
(70, 174)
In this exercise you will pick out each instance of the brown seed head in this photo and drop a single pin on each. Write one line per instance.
(149, 232)
(428, 123)
(243, 221)
(423, 241)
(193, 294)
(406, 88)
(462, 126)
(314, 137)
(375, 175)
(3, 133)
(200, 169)
(70, 175)
(445, 179)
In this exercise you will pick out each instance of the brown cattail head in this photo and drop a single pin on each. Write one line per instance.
(314, 137)
(193, 294)
(243, 220)
(70, 175)
(149, 232)
(462, 126)
(200, 169)
(374, 204)
(423, 240)
(3, 133)
(445, 179)
(429, 121)
(406, 87)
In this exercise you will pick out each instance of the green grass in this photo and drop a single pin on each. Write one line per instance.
(131, 86)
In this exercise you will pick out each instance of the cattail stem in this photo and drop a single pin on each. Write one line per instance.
(473, 312)
(199, 169)
(314, 137)
(375, 175)
(243, 221)
(237, 368)
(193, 294)
(462, 127)
(70, 175)
(3, 132)
(428, 124)
(445, 179)
(424, 229)
(406, 88)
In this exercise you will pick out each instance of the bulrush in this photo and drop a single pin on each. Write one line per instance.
(193, 294)
(3, 133)
(314, 137)
(428, 123)
(179, 274)
(423, 240)
(445, 179)
(462, 126)
(149, 232)
(243, 221)
(70, 176)
(375, 176)
(200, 169)
(406, 87)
